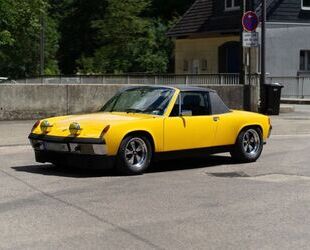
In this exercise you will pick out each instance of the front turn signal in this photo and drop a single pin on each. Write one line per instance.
(104, 131)
(35, 125)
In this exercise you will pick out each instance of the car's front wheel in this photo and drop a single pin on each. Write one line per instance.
(249, 145)
(134, 155)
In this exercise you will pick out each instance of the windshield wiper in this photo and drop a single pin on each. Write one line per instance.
(133, 111)
(152, 110)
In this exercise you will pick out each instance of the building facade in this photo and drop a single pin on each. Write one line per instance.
(207, 38)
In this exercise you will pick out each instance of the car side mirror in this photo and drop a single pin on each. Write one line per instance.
(186, 113)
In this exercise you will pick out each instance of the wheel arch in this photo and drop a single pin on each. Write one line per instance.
(144, 133)
(247, 126)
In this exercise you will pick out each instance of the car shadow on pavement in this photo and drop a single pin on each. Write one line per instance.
(190, 163)
(158, 166)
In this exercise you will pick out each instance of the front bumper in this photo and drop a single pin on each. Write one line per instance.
(71, 151)
(75, 160)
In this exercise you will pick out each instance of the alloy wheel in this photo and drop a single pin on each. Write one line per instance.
(251, 142)
(136, 153)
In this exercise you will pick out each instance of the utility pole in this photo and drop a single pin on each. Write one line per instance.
(243, 62)
(242, 72)
(263, 59)
(42, 44)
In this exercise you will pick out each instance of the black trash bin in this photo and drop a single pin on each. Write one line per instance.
(273, 98)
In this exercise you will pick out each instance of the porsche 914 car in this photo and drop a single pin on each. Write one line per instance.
(144, 122)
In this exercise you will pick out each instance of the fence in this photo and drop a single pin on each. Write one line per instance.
(167, 79)
(294, 87)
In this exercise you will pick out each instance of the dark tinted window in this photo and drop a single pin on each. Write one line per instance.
(217, 105)
(195, 103)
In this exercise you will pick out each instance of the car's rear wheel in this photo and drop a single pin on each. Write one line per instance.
(249, 145)
(134, 155)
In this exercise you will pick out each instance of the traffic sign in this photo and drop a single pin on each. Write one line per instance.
(250, 21)
(250, 39)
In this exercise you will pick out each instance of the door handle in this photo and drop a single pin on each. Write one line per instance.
(216, 118)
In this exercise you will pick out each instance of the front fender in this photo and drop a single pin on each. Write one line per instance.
(116, 134)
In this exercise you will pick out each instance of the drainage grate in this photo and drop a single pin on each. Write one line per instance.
(229, 174)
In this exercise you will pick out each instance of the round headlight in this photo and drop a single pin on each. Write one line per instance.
(75, 128)
(46, 127)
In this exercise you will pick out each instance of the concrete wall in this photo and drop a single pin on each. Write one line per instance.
(199, 49)
(33, 101)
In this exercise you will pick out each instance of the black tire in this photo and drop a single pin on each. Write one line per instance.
(248, 146)
(134, 155)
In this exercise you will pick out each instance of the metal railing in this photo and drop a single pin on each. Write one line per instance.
(145, 79)
(294, 87)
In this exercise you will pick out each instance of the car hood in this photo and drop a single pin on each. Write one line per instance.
(92, 125)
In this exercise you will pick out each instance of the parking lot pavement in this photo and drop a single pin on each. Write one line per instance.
(297, 122)
(208, 203)
(14, 132)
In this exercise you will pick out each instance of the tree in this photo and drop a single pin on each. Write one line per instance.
(20, 38)
(169, 9)
(78, 37)
(128, 41)
(87, 36)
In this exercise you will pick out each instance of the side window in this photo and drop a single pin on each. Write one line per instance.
(217, 105)
(175, 110)
(192, 104)
(195, 103)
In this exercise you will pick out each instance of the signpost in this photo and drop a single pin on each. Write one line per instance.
(249, 38)
(250, 21)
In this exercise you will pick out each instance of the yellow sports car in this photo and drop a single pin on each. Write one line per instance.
(143, 122)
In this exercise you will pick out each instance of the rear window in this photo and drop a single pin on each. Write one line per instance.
(217, 105)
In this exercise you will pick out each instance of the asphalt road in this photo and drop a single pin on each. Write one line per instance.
(206, 203)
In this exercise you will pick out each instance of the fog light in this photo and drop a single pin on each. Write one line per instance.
(75, 128)
(46, 127)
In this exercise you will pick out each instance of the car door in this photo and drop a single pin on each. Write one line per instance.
(227, 125)
(190, 125)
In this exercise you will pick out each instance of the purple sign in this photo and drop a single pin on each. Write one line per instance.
(250, 21)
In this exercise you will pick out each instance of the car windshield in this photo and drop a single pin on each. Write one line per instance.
(148, 100)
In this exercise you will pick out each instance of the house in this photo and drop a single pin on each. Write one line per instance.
(207, 38)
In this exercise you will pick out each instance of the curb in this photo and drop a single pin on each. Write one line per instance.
(295, 101)
(284, 108)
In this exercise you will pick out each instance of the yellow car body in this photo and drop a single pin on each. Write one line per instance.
(166, 133)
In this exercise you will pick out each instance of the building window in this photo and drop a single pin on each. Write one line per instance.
(305, 60)
(204, 65)
(234, 4)
(195, 69)
(305, 4)
(185, 66)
